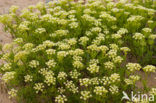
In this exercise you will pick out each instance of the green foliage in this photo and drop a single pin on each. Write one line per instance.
(78, 52)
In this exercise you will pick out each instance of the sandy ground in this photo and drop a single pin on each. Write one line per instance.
(6, 38)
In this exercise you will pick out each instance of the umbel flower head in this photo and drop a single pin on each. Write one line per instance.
(93, 68)
(39, 87)
(34, 64)
(149, 68)
(8, 76)
(6, 67)
(61, 99)
(100, 90)
(138, 36)
(85, 95)
(28, 78)
(12, 93)
(133, 67)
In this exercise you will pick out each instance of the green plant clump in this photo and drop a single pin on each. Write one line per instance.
(79, 52)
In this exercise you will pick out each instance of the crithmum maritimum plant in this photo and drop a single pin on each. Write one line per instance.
(67, 51)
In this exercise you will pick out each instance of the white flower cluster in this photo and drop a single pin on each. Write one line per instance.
(12, 93)
(34, 64)
(118, 59)
(48, 43)
(8, 76)
(135, 18)
(147, 30)
(17, 49)
(24, 26)
(62, 76)
(61, 54)
(103, 48)
(39, 48)
(116, 36)
(18, 40)
(94, 61)
(61, 99)
(47, 18)
(85, 95)
(50, 51)
(28, 78)
(100, 90)
(83, 40)
(7, 46)
(77, 52)
(6, 67)
(39, 87)
(114, 47)
(133, 67)
(114, 89)
(51, 63)
(153, 91)
(61, 90)
(88, 18)
(40, 30)
(96, 30)
(105, 80)
(109, 65)
(60, 33)
(72, 41)
(78, 64)
(13, 9)
(49, 76)
(114, 78)
(134, 78)
(85, 82)
(20, 55)
(107, 16)
(74, 74)
(93, 68)
(122, 31)
(138, 36)
(98, 39)
(125, 49)
(5, 56)
(71, 86)
(95, 81)
(64, 46)
(93, 47)
(149, 68)
(28, 46)
(6, 18)
(152, 36)
(73, 25)
(128, 81)
(112, 54)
